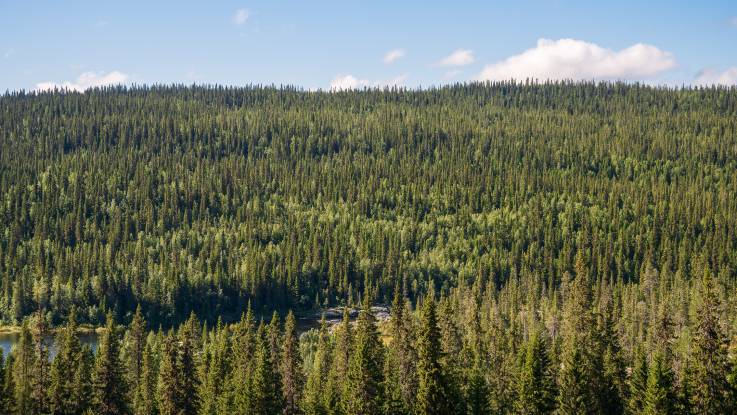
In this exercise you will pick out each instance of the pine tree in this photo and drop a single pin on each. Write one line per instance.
(110, 386)
(432, 392)
(291, 368)
(659, 396)
(536, 390)
(364, 394)
(711, 393)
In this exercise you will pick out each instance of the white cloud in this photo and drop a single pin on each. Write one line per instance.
(85, 81)
(459, 57)
(9, 53)
(579, 60)
(343, 82)
(714, 77)
(393, 55)
(101, 23)
(241, 16)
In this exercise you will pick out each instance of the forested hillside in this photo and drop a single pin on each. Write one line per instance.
(548, 247)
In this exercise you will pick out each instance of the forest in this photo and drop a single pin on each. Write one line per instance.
(560, 247)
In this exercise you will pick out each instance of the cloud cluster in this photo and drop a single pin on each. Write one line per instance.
(241, 16)
(459, 57)
(393, 55)
(85, 81)
(713, 77)
(580, 60)
(345, 82)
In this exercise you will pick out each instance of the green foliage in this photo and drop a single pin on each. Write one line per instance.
(659, 396)
(364, 387)
(292, 376)
(537, 387)
(110, 384)
(581, 232)
(432, 391)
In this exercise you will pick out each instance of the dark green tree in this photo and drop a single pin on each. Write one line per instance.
(659, 397)
(315, 402)
(364, 388)
(432, 392)
(292, 376)
(23, 362)
(64, 368)
(638, 383)
(264, 394)
(41, 373)
(536, 390)
(168, 390)
(711, 392)
(110, 384)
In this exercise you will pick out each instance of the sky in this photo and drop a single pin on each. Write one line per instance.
(355, 44)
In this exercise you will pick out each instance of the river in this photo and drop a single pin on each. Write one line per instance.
(306, 322)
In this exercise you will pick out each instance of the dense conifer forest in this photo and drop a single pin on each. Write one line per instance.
(560, 248)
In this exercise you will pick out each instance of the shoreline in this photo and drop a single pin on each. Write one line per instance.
(82, 329)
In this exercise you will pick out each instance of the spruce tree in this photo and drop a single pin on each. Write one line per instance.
(400, 365)
(243, 355)
(136, 342)
(41, 373)
(316, 388)
(264, 395)
(364, 389)
(432, 392)
(7, 403)
(145, 401)
(711, 392)
(110, 385)
(580, 376)
(82, 386)
(292, 376)
(638, 383)
(336, 390)
(187, 376)
(23, 361)
(169, 394)
(659, 396)
(216, 368)
(536, 390)
(66, 364)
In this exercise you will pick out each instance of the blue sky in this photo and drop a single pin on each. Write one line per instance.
(324, 44)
